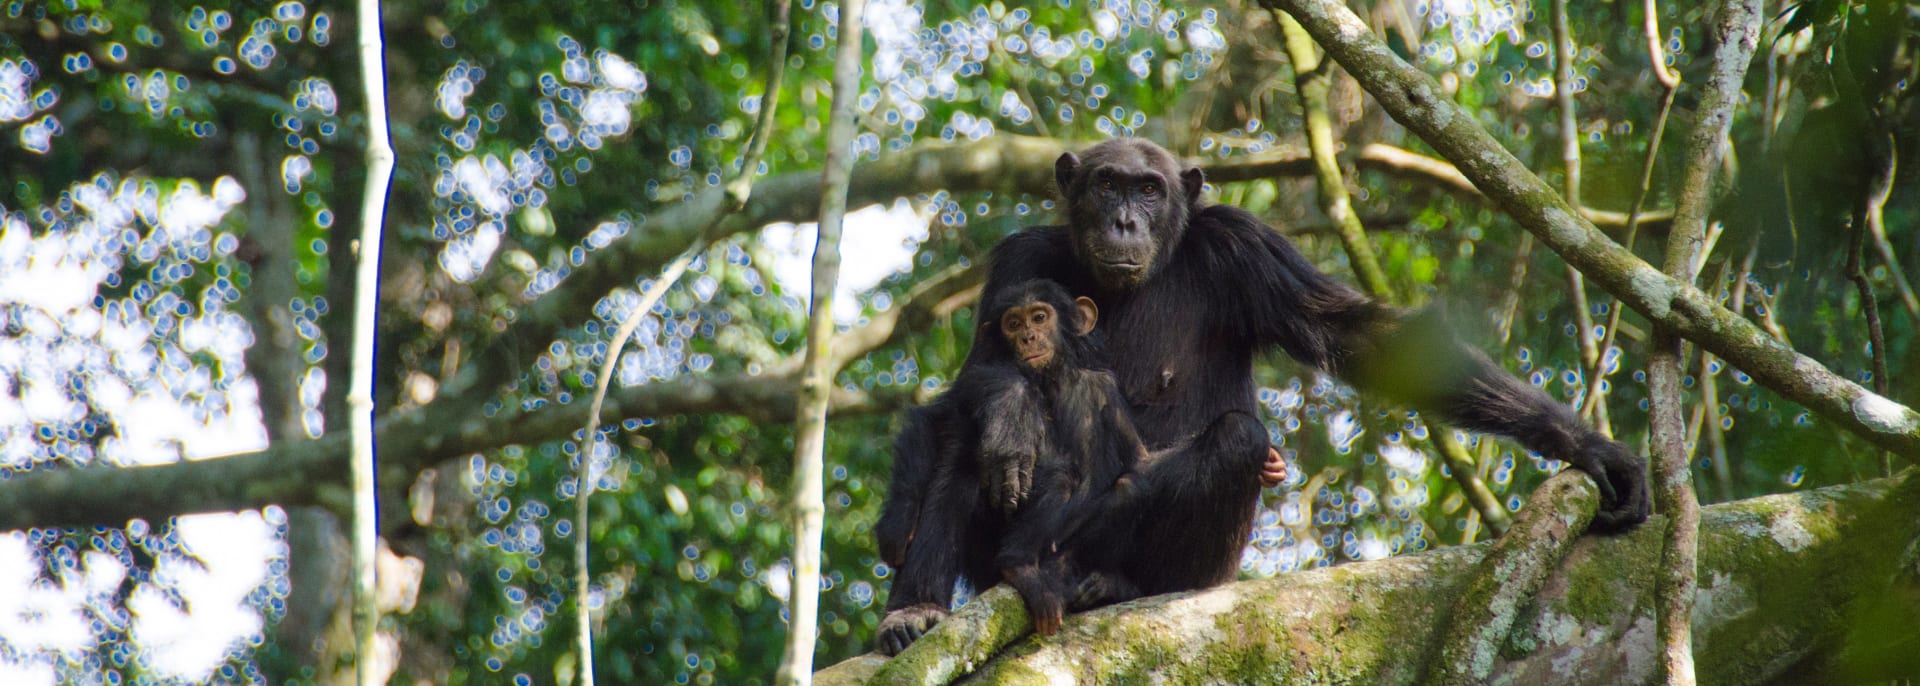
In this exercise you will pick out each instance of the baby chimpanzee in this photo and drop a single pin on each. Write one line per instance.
(1089, 448)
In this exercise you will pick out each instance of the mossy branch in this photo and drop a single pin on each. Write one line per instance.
(1820, 585)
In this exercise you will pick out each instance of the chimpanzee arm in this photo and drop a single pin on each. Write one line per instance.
(1007, 411)
(1013, 430)
(1416, 360)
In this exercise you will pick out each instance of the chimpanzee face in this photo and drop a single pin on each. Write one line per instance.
(1033, 330)
(1128, 202)
(1036, 318)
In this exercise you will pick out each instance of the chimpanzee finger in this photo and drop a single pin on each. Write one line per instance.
(1011, 489)
(1026, 477)
(1609, 498)
(997, 489)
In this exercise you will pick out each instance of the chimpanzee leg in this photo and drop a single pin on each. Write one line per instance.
(1195, 510)
(917, 456)
(947, 545)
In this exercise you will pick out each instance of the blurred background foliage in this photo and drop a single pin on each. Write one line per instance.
(182, 180)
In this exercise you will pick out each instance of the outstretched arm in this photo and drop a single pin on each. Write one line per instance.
(1290, 304)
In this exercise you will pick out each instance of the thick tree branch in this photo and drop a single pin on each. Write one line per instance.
(314, 472)
(1005, 163)
(999, 163)
(1516, 565)
(1417, 102)
(1818, 586)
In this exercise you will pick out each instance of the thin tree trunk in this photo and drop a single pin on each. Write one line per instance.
(1590, 362)
(809, 508)
(1736, 25)
(366, 537)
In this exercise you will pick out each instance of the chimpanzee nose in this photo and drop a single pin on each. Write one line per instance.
(1126, 226)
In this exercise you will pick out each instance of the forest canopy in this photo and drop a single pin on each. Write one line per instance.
(182, 205)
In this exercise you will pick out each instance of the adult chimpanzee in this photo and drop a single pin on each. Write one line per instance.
(1091, 451)
(1191, 293)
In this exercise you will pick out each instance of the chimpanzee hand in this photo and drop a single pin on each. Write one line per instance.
(1274, 471)
(1046, 602)
(1008, 476)
(1622, 479)
(1013, 431)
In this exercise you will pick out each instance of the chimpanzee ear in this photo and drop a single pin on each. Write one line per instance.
(1089, 315)
(1194, 181)
(1063, 171)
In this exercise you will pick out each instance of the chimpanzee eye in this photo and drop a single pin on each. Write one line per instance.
(1106, 184)
(1149, 190)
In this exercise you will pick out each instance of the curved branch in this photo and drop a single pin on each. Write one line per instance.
(1392, 161)
(1416, 101)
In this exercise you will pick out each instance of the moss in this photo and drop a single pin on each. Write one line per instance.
(851, 671)
(1834, 607)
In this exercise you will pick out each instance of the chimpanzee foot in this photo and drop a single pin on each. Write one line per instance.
(900, 628)
(1099, 589)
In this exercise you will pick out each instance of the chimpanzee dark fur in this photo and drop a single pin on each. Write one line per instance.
(1189, 294)
(1091, 450)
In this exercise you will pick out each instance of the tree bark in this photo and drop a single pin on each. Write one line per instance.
(366, 508)
(808, 507)
(1736, 28)
(1819, 586)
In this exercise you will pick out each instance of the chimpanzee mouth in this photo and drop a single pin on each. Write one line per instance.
(1120, 265)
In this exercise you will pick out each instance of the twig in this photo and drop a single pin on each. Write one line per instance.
(584, 480)
(1868, 220)
(1595, 406)
(1670, 84)
(739, 190)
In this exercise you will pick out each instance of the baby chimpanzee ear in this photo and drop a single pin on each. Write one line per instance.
(1089, 315)
(1194, 181)
(1063, 171)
